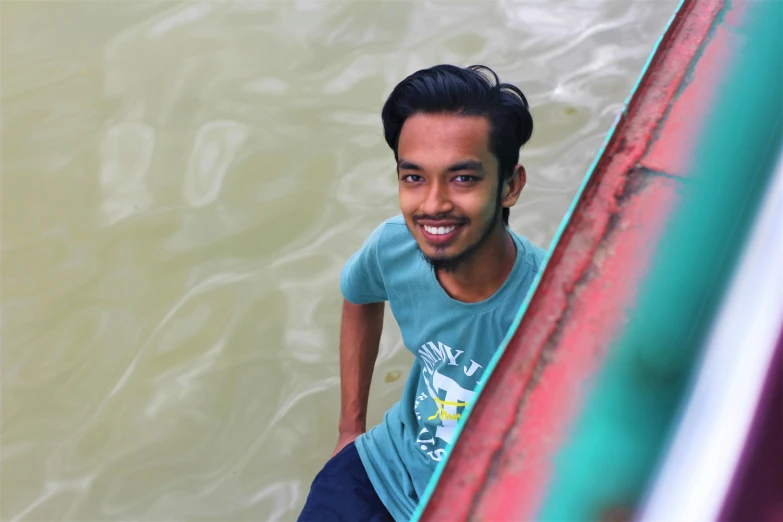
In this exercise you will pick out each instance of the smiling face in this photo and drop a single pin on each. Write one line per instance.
(448, 186)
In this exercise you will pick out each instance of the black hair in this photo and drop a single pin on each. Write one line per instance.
(448, 89)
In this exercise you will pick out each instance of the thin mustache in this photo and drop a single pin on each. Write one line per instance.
(441, 217)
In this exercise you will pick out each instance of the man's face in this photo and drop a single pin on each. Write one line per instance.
(448, 185)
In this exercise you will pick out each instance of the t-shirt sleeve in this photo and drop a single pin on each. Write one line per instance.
(361, 280)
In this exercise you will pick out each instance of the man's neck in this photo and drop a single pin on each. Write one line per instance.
(479, 277)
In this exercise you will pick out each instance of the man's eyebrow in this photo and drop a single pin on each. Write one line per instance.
(467, 165)
(459, 166)
(407, 165)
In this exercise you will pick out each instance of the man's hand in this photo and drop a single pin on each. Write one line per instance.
(344, 440)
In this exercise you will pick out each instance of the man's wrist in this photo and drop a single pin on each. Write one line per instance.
(351, 428)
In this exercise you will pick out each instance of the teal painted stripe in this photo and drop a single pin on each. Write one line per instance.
(558, 235)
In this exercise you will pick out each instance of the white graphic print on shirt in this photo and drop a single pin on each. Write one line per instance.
(449, 397)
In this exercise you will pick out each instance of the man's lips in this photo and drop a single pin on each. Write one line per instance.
(439, 233)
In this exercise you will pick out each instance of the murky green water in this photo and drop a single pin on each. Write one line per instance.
(181, 184)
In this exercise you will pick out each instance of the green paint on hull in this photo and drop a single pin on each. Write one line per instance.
(612, 453)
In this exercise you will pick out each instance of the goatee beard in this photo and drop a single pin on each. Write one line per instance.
(450, 264)
(444, 265)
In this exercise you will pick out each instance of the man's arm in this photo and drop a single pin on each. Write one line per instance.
(360, 336)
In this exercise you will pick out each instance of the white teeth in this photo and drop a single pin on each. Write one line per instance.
(439, 230)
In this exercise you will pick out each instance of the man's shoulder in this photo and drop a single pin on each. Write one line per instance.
(533, 255)
(395, 225)
(393, 233)
(397, 252)
(369, 271)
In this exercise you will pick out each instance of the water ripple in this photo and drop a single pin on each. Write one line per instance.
(181, 187)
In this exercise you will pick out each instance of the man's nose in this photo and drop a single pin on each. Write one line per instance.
(438, 200)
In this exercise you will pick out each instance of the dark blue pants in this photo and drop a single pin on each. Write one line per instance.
(342, 492)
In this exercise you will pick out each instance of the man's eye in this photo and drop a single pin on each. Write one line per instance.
(465, 178)
(412, 178)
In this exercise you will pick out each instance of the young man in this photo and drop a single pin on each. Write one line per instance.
(454, 275)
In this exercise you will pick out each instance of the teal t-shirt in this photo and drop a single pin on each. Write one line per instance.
(453, 343)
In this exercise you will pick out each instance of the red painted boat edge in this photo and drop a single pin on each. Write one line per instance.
(499, 466)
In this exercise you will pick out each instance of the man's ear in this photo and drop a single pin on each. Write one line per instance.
(513, 187)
